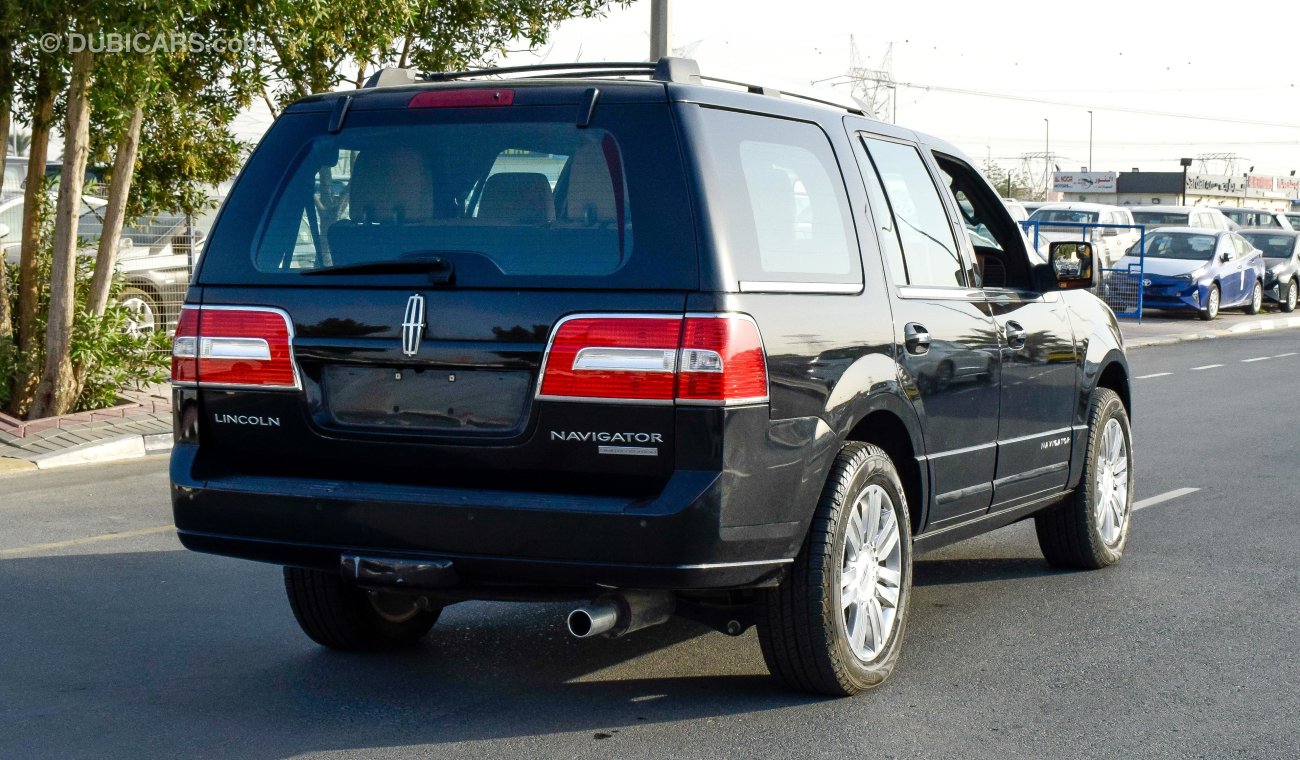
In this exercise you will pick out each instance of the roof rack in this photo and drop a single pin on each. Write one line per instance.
(666, 69)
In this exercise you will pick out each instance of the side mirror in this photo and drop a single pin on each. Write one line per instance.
(1070, 266)
(1226, 256)
(1110, 232)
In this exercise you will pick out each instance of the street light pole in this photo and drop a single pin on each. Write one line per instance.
(659, 24)
(1090, 141)
(1047, 160)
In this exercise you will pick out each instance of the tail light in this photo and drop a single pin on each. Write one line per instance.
(696, 359)
(234, 347)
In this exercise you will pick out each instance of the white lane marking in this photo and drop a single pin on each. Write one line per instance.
(1283, 356)
(1256, 359)
(86, 540)
(1151, 501)
(1158, 374)
(1207, 366)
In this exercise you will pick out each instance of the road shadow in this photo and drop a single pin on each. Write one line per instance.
(177, 654)
(947, 572)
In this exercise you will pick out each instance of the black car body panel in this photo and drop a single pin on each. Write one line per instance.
(518, 491)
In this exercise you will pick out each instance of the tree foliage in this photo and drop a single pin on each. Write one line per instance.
(161, 120)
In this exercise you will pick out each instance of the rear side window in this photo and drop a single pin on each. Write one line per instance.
(782, 200)
(509, 197)
(929, 248)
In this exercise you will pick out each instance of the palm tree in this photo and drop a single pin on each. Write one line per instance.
(19, 142)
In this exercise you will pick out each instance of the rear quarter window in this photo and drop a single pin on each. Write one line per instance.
(780, 195)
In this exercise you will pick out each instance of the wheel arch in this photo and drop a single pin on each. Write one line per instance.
(1114, 375)
(890, 423)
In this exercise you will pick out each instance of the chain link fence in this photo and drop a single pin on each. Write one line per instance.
(156, 254)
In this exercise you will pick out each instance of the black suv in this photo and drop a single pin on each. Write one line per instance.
(626, 337)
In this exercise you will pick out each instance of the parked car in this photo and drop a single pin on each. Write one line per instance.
(471, 383)
(1282, 265)
(1256, 217)
(1017, 209)
(1065, 221)
(14, 177)
(1032, 206)
(1196, 269)
(155, 256)
(1202, 217)
(1293, 218)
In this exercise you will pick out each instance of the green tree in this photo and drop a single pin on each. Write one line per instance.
(302, 48)
(1010, 184)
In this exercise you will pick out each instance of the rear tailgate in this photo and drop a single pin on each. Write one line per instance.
(462, 410)
(423, 252)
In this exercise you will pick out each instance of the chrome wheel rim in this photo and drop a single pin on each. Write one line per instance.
(1212, 306)
(1112, 483)
(1291, 296)
(1258, 299)
(871, 573)
(142, 317)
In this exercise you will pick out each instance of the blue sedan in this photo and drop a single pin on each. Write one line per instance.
(1197, 270)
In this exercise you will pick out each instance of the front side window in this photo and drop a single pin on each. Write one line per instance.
(929, 247)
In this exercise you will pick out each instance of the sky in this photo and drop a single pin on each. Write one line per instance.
(1113, 58)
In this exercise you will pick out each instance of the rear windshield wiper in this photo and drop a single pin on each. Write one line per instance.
(440, 270)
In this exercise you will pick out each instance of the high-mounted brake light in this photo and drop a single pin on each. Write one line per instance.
(234, 347)
(696, 359)
(477, 98)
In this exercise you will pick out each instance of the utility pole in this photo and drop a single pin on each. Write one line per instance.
(1047, 162)
(1090, 141)
(660, 23)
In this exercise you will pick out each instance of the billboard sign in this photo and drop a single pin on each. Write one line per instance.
(1084, 182)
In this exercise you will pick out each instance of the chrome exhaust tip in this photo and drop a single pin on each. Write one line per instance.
(592, 619)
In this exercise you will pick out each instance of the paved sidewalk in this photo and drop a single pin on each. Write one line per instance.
(141, 426)
(1162, 328)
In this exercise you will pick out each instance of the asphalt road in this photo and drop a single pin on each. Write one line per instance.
(127, 646)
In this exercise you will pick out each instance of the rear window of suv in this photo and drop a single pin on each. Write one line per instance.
(510, 197)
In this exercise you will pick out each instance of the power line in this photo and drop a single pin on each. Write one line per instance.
(1045, 101)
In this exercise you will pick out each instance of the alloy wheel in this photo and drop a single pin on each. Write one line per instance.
(141, 319)
(871, 573)
(1112, 483)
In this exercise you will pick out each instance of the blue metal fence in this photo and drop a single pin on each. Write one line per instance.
(1121, 286)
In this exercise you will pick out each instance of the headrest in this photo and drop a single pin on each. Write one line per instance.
(390, 185)
(518, 197)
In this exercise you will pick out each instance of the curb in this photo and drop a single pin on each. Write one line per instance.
(1280, 323)
(117, 449)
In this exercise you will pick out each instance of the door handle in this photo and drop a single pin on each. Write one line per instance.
(1016, 335)
(917, 338)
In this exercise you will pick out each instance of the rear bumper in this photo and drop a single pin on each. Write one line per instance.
(494, 539)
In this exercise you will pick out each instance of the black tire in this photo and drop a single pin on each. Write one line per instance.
(1211, 309)
(1071, 534)
(801, 623)
(1289, 296)
(1256, 298)
(338, 615)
